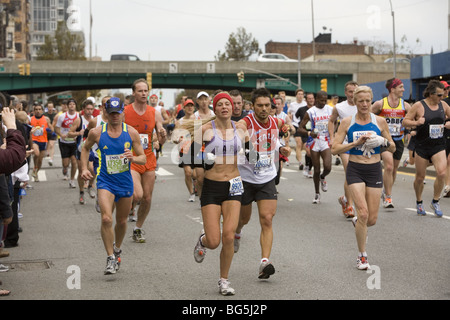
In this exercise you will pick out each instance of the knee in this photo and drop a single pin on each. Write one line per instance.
(227, 239)
(212, 242)
(266, 220)
(371, 222)
(107, 220)
(389, 168)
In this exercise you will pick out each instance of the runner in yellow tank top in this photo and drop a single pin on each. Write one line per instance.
(393, 108)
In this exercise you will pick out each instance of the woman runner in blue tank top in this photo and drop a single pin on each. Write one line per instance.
(366, 133)
(115, 141)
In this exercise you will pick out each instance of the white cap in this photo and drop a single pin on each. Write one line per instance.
(202, 93)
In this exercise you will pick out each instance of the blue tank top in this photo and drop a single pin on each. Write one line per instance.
(114, 168)
(357, 130)
(223, 148)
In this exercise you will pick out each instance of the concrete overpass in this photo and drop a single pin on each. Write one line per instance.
(51, 76)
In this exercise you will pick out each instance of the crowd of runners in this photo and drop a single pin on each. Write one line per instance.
(232, 152)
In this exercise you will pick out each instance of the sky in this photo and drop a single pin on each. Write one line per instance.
(195, 30)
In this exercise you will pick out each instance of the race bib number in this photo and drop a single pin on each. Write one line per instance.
(144, 140)
(38, 132)
(117, 163)
(236, 187)
(395, 129)
(436, 131)
(322, 127)
(263, 165)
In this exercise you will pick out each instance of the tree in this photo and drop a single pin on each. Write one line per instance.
(240, 46)
(64, 45)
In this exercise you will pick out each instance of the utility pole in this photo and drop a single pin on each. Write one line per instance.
(90, 30)
(299, 81)
(393, 36)
(313, 38)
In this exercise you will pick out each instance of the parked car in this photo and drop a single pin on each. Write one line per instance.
(274, 57)
(128, 57)
(397, 60)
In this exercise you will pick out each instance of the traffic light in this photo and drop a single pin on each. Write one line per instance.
(149, 80)
(24, 69)
(240, 76)
(323, 85)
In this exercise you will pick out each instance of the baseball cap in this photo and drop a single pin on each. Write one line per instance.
(114, 105)
(202, 93)
(187, 102)
(446, 85)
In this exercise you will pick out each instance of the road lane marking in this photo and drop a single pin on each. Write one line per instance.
(428, 213)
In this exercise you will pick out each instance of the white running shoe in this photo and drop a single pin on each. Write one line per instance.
(199, 250)
(362, 263)
(316, 199)
(323, 185)
(192, 198)
(224, 287)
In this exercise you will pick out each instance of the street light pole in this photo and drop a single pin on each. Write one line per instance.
(313, 38)
(299, 66)
(393, 36)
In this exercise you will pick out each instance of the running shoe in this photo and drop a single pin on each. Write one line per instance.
(300, 166)
(406, 162)
(91, 192)
(117, 257)
(446, 193)
(110, 265)
(354, 220)
(3, 268)
(387, 203)
(82, 201)
(437, 208)
(72, 184)
(316, 199)
(224, 287)
(199, 250)
(266, 269)
(349, 212)
(50, 163)
(138, 236)
(305, 171)
(310, 174)
(420, 209)
(97, 206)
(237, 243)
(191, 198)
(323, 185)
(362, 263)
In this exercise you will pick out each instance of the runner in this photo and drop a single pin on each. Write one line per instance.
(67, 145)
(343, 110)
(393, 108)
(310, 102)
(184, 141)
(223, 187)
(41, 128)
(51, 114)
(115, 140)
(365, 133)
(292, 110)
(320, 148)
(259, 176)
(77, 131)
(144, 119)
(429, 116)
(203, 113)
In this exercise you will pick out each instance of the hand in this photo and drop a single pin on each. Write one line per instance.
(9, 118)
(162, 132)
(6, 221)
(285, 151)
(420, 121)
(129, 155)
(86, 175)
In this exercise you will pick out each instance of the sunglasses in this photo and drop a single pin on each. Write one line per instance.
(440, 95)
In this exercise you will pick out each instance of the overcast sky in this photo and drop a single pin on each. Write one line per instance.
(195, 30)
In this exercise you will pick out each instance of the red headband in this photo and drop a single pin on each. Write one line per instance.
(221, 95)
(395, 83)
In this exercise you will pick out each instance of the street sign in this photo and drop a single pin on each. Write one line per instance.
(64, 96)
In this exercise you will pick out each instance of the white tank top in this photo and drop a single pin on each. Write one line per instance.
(345, 110)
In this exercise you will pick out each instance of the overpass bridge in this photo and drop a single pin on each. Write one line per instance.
(52, 76)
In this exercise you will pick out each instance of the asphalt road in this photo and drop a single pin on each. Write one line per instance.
(61, 254)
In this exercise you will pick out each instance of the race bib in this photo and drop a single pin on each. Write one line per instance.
(359, 134)
(144, 140)
(236, 186)
(117, 163)
(38, 132)
(263, 165)
(436, 131)
(395, 129)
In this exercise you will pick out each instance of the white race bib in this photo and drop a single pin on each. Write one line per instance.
(236, 186)
(117, 163)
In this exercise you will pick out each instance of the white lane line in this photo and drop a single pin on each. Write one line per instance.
(195, 219)
(163, 172)
(428, 213)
